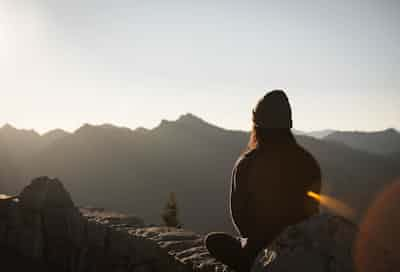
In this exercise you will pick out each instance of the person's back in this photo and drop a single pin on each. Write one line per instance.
(275, 180)
(269, 185)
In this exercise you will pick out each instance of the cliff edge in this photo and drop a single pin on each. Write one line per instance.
(44, 228)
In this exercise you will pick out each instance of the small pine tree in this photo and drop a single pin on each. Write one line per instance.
(170, 213)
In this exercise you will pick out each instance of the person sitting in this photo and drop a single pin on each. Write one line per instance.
(269, 185)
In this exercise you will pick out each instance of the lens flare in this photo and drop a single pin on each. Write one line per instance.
(333, 204)
(377, 246)
(3, 196)
(8, 198)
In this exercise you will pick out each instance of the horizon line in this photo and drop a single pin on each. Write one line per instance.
(176, 120)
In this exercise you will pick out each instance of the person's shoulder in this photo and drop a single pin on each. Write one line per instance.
(247, 156)
(304, 152)
(309, 159)
(245, 159)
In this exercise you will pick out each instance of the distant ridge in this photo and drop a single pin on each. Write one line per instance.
(104, 128)
(379, 142)
(55, 134)
(191, 119)
(135, 170)
(318, 134)
(11, 130)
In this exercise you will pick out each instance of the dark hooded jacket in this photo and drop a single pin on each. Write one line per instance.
(269, 188)
(270, 182)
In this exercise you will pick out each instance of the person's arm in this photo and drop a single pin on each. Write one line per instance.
(239, 197)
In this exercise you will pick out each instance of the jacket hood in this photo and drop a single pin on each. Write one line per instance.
(273, 111)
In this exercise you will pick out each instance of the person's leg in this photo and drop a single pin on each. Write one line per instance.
(251, 250)
(228, 250)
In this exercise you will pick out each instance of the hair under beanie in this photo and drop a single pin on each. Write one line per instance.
(273, 111)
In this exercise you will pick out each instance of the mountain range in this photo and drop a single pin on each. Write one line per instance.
(379, 142)
(133, 171)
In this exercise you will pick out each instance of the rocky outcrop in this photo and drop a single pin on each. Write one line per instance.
(42, 227)
(323, 243)
(42, 230)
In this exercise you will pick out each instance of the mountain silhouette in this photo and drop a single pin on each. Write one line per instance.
(54, 135)
(10, 174)
(379, 142)
(134, 171)
(319, 134)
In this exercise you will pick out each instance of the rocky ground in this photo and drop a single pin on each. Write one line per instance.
(43, 228)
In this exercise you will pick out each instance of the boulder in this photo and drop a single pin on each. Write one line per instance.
(44, 192)
(323, 243)
(48, 226)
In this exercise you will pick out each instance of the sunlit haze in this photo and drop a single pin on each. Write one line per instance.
(132, 63)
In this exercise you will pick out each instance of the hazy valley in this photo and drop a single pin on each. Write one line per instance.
(133, 171)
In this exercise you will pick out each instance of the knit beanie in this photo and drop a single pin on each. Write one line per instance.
(273, 111)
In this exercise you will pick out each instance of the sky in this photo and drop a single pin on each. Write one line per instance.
(135, 62)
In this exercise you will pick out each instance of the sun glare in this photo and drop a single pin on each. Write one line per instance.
(333, 204)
